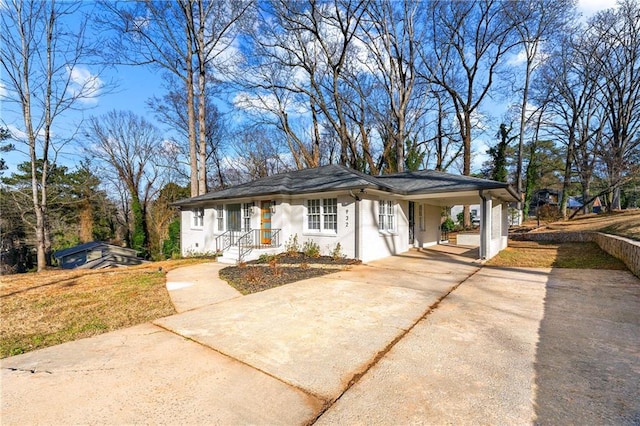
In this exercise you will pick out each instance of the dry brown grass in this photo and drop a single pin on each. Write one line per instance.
(56, 306)
(555, 255)
(625, 223)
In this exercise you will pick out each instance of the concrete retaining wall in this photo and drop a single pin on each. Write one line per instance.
(472, 240)
(625, 249)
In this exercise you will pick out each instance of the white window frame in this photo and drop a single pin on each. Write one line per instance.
(421, 216)
(197, 215)
(220, 217)
(321, 215)
(330, 215)
(247, 213)
(387, 216)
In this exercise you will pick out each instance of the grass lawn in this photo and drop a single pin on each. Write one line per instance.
(555, 255)
(572, 255)
(624, 223)
(57, 306)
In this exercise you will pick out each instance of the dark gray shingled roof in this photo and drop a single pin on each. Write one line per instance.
(335, 177)
(431, 181)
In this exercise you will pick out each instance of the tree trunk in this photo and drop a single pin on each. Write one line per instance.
(193, 150)
(202, 125)
(466, 138)
(566, 182)
(523, 120)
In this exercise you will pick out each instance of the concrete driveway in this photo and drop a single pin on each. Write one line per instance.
(422, 338)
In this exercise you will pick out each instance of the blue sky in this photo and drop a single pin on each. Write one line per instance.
(135, 85)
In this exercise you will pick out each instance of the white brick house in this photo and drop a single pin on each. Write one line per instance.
(370, 216)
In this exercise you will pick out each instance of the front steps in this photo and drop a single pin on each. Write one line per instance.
(230, 255)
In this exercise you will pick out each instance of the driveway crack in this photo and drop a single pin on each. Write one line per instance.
(356, 377)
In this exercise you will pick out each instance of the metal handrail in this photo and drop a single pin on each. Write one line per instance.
(253, 240)
(225, 240)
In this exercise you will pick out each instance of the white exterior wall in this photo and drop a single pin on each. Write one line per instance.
(295, 209)
(376, 244)
(427, 233)
(197, 240)
(498, 228)
(291, 218)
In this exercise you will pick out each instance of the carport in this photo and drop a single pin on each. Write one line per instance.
(432, 188)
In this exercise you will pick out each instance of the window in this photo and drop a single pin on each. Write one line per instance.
(313, 215)
(386, 216)
(198, 217)
(247, 211)
(322, 215)
(330, 213)
(220, 217)
(421, 216)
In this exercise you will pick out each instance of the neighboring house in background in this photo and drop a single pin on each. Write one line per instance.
(543, 197)
(369, 216)
(96, 255)
(474, 210)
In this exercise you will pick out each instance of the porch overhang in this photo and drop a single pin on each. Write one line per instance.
(444, 199)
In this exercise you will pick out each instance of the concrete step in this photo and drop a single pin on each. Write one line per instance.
(230, 255)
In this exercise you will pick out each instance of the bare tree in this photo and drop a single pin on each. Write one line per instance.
(129, 147)
(467, 43)
(536, 22)
(169, 109)
(568, 81)
(614, 40)
(306, 54)
(186, 38)
(40, 60)
(392, 36)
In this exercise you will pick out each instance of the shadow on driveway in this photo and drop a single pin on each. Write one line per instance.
(588, 356)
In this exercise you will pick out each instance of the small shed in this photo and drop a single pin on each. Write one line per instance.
(96, 255)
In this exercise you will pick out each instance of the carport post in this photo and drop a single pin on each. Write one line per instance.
(485, 225)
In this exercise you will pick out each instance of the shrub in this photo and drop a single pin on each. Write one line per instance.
(336, 253)
(292, 247)
(311, 249)
(254, 274)
(266, 258)
(447, 225)
(548, 213)
(275, 270)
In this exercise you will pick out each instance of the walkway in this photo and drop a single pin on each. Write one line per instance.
(420, 338)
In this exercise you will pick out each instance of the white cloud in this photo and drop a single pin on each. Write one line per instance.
(16, 133)
(256, 103)
(84, 85)
(589, 8)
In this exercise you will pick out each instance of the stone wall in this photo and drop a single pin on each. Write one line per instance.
(625, 249)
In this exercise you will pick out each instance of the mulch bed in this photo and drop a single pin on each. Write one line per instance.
(274, 271)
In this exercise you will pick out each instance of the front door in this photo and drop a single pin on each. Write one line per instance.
(412, 221)
(265, 222)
